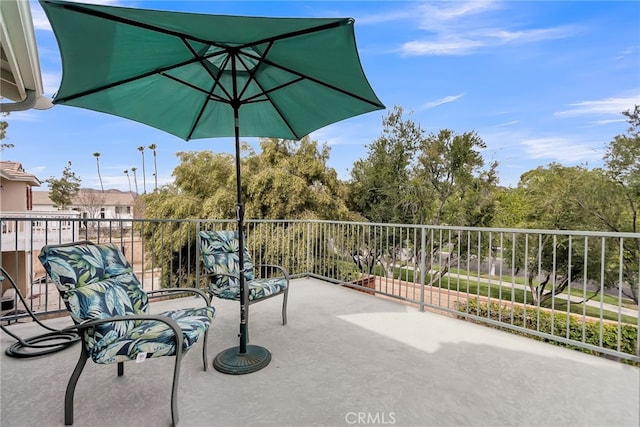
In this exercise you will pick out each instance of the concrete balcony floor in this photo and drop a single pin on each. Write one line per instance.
(345, 358)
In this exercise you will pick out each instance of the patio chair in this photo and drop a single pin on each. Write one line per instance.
(219, 252)
(111, 312)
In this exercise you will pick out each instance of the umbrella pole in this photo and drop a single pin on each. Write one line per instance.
(245, 358)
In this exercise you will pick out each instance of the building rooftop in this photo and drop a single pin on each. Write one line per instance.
(13, 171)
(109, 197)
(344, 358)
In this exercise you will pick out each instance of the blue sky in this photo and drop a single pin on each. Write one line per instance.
(539, 82)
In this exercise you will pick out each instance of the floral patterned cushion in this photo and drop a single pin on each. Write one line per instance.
(97, 282)
(151, 337)
(257, 288)
(219, 251)
(78, 265)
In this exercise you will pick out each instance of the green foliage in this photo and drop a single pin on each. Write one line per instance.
(410, 177)
(559, 325)
(288, 179)
(63, 189)
(381, 186)
(3, 132)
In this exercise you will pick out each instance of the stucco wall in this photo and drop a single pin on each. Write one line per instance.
(13, 196)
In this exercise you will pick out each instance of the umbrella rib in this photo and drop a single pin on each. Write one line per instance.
(99, 14)
(273, 89)
(252, 72)
(201, 59)
(320, 82)
(125, 81)
(196, 88)
(264, 92)
(297, 33)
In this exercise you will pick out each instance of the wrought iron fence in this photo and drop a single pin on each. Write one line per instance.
(576, 288)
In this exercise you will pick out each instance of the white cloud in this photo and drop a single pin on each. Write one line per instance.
(607, 122)
(511, 123)
(462, 28)
(437, 102)
(40, 21)
(614, 105)
(440, 47)
(562, 150)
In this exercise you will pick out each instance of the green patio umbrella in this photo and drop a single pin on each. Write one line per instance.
(203, 76)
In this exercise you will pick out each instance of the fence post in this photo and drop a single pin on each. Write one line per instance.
(197, 263)
(308, 247)
(423, 265)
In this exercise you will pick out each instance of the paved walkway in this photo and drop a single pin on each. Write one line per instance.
(562, 296)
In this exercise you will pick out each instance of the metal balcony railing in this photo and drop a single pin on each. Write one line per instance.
(575, 288)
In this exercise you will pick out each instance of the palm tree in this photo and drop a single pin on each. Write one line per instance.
(144, 174)
(97, 156)
(135, 178)
(126, 172)
(153, 147)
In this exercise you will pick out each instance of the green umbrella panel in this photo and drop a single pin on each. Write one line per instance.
(185, 73)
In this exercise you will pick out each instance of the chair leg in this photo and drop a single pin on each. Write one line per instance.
(204, 349)
(174, 388)
(247, 317)
(284, 306)
(71, 387)
(120, 369)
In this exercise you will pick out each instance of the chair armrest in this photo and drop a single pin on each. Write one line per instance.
(164, 319)
(283, 270)
(198, 292)
(233, 276)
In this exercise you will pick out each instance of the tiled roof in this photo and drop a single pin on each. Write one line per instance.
(111, 197)
(13, 171)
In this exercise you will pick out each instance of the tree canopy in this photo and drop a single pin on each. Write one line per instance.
(287, 179)
(63, 189)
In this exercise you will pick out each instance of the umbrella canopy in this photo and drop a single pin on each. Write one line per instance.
(184, 73)
(203, 76)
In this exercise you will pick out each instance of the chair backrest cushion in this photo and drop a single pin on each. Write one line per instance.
(219, 252)
(95, 280)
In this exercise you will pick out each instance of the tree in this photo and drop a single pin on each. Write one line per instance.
(97, 156)
(91, 202)
(62, 190)
(381, 187)
(409, 177)
(622, 161)
(450, 169)
(3, 131)
(558, 197)
(153, 147)
(288, 179)
(144, 174)
(135, 178)
(126, 172)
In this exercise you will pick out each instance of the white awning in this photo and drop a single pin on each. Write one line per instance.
(20, 77)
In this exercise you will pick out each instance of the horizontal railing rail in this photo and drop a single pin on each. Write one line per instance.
(575, 288)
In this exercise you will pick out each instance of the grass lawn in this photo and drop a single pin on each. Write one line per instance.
(508, 293)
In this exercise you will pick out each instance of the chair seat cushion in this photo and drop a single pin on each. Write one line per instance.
(258, 288)
(153, 337)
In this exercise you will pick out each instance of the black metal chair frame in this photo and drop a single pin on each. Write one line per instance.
(38, 345)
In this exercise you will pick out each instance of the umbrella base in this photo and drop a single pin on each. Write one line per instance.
(231, 361)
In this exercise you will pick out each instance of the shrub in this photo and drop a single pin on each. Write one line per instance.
(578, 329)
